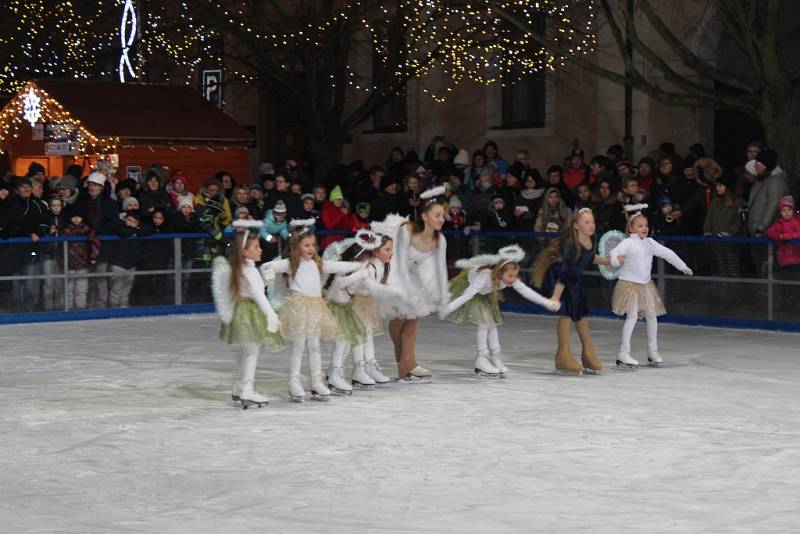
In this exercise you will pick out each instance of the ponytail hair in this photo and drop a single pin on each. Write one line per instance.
(552, 253)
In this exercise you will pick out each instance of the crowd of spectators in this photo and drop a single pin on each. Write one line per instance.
(690, 195)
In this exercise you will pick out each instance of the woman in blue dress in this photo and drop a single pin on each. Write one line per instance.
(558, 270)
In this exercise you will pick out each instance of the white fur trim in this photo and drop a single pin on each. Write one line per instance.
(372, 236)
(635, 207)
(302, 223)
(433, 192)
(241, 223)
(221, 288)
(333, 252)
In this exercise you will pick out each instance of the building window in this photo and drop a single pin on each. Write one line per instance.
(392, 115)
(523, 102)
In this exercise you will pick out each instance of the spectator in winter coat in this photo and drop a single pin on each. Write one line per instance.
(227, 183)
(600, 167)
(631, 193)
(528, 202)
(213, 214)
(473, 172)
(256, 194)
(125, 257)
(81, 255)
(459, 188)
(555, 178)
(102, 215)
(786, 228)
(33, 223)
(125, 189)
(51, 253)
(388, 200)
(492, 155)
(481, 201)
(336, 215)
(241, 199)
(770, 186)
(723, 220)
(275, 224)
(10, 214)
(411, 191)
(577, 172)
(178, 187)
(153, 195)
(608, 212)
(646, 174)
(689, 197)
(67, 189)
(554, 213)
(442, 164)
(283, 193)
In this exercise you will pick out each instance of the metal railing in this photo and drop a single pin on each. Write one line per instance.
(705, 294)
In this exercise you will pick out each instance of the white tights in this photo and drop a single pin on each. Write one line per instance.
(299, 345)
(627, 332)
(248, 361)
(488, 338)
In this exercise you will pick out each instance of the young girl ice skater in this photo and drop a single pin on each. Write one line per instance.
(305, 318)
(635, 294)
(419, 270)
(247, 317)
(558, 270)
(477, 292)
(350, 301)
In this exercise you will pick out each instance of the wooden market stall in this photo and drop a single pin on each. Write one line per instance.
(62, 122)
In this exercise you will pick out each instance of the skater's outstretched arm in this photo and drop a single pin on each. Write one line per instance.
(531, 295)
(673, 259)
(271, 268)
(376, 289)
(616, 252)
(482, 281)
(341, 267)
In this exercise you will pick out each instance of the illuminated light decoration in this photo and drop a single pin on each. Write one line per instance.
(126, 40)
(31, 107)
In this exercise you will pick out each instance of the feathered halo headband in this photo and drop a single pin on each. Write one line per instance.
(242, 224)
(632, 210)
(431, 194)
(511, 253)
(302, 226)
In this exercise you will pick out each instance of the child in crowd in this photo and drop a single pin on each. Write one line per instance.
(275, 223)
(53, 288)
(80, 255)
(723, 220)
(666, 223)
(125, 256)
(785, 228)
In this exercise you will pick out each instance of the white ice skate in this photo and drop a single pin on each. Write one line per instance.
(654, 359)
(494, 357)
(374, 371)
(418, 375)
(360, 377)
(337, 383)
(249, 398)
(483, 366)
(236, 391)
(625, 362)
(319, 391)
(296, 391)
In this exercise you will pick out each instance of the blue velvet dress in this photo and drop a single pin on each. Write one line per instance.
(569, 271)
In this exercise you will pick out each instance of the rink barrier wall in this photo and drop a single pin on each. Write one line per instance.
(180, 308)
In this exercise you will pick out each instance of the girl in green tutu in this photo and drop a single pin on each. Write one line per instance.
(247, 317)
(476, 294)
(349, 299)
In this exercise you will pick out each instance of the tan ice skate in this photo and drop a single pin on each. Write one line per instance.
(565, 363)
(591, 363)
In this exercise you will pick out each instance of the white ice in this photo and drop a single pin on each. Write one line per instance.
(124, 426)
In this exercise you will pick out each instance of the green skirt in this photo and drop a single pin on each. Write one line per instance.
(249, 325)
(353, 330)
(480, 309)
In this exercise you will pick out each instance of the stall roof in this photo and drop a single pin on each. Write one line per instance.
(144, 111)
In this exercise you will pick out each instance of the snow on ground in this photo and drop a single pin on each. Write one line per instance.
(124, 426)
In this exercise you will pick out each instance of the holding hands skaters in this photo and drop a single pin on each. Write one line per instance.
(247, 317)
(635, 294)
(477, 292)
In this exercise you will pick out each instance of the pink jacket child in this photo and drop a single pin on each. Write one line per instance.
(786, 228)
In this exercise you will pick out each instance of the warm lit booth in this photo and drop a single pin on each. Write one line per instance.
(134, 125)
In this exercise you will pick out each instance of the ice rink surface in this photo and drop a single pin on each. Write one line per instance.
(124, 426)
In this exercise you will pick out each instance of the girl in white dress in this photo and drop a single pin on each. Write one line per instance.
(419, 269)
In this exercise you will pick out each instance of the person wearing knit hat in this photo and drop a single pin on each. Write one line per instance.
(242, 212)
(786, 228)
(96, 178)
(130, 204)
(125, 188)
(454, 202)
(186, 200)
(35, 169)
(336, 194)
(770, 186)
(461, 161)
